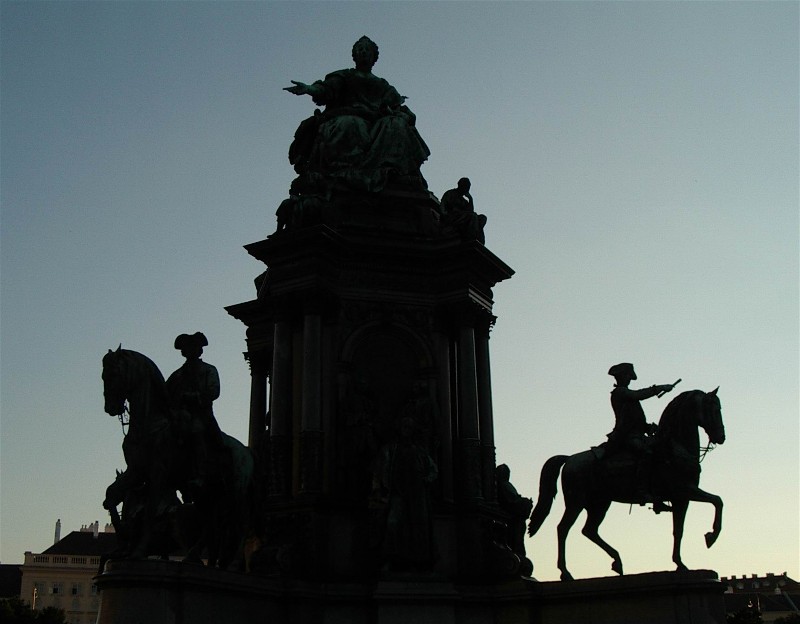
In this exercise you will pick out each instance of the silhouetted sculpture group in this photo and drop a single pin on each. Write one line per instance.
(365, 140)
(189, 486)
(365, 136)
(640, 463)
(174, 445)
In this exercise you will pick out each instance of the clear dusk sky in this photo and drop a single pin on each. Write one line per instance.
(637, 162)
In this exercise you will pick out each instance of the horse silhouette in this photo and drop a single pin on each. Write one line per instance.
(591, 483)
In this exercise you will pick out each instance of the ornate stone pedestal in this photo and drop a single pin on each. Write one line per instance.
(692, 597)
(159, 592)
(369, 320)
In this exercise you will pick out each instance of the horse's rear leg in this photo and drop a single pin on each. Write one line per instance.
(567, 520)
(595, 515)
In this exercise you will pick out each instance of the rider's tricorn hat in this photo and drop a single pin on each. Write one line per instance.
(622, 370)
(196, 339)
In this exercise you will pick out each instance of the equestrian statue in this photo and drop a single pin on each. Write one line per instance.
(173, 446)
(641, 463)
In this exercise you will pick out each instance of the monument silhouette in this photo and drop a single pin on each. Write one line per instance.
(376, 491)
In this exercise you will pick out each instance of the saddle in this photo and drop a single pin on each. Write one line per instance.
(633, 471)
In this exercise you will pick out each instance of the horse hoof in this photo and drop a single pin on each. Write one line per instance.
(566, 576)
(710, 539)
(617, 567)
(681, 568)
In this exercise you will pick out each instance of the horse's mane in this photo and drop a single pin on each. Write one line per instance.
(143, 362)
(153, 370)
(675, 407)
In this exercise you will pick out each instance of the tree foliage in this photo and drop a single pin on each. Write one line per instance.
(17, 611)
(748, 615)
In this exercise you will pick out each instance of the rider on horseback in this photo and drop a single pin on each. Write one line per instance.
(192, 389)
(631, 428)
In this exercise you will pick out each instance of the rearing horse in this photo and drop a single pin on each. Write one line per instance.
(592, 484)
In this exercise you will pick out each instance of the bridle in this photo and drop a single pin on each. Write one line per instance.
(704, 450)
(117, 387)
(125, 418)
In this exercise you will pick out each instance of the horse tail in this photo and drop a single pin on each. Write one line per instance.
(548, 487)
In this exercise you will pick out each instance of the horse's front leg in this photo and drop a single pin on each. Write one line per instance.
(696, 494)
(679, 508)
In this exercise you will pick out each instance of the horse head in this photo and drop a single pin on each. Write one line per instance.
(711, 418)
(689, 412)
(115, 388)
(132, 377)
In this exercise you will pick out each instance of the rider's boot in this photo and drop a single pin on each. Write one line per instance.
(644, 489)
(660, 506)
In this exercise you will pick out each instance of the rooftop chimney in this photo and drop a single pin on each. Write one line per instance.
(57, 537)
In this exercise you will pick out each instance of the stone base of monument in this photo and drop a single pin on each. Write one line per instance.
(164, 592)
(656, 598)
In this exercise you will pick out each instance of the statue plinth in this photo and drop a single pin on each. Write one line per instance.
(164, 592)
(374, 319)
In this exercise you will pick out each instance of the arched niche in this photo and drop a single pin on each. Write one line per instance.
(379, 365)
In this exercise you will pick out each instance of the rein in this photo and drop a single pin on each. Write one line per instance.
(125, 418)
(704, 451)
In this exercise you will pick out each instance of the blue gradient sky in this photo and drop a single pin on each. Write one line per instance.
(637, 161)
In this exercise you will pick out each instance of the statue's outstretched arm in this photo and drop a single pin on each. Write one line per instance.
(301, 88)
(297, 88)
(646, 393)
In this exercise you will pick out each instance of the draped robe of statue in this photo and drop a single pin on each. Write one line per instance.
(364, 135)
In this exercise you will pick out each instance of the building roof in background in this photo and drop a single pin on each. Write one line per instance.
(770, 593)
(84, 543)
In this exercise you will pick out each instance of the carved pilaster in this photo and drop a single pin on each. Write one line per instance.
(311, 419)
(259, 371)
(468, 427)
(469, 477)
(280, 457)
(488, 479)
(485, 410)
(484, 378)
(281, 399)
(311, 449)
(446, 476)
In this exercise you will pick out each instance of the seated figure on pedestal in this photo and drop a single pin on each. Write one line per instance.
(458, 212)
(365, 135)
